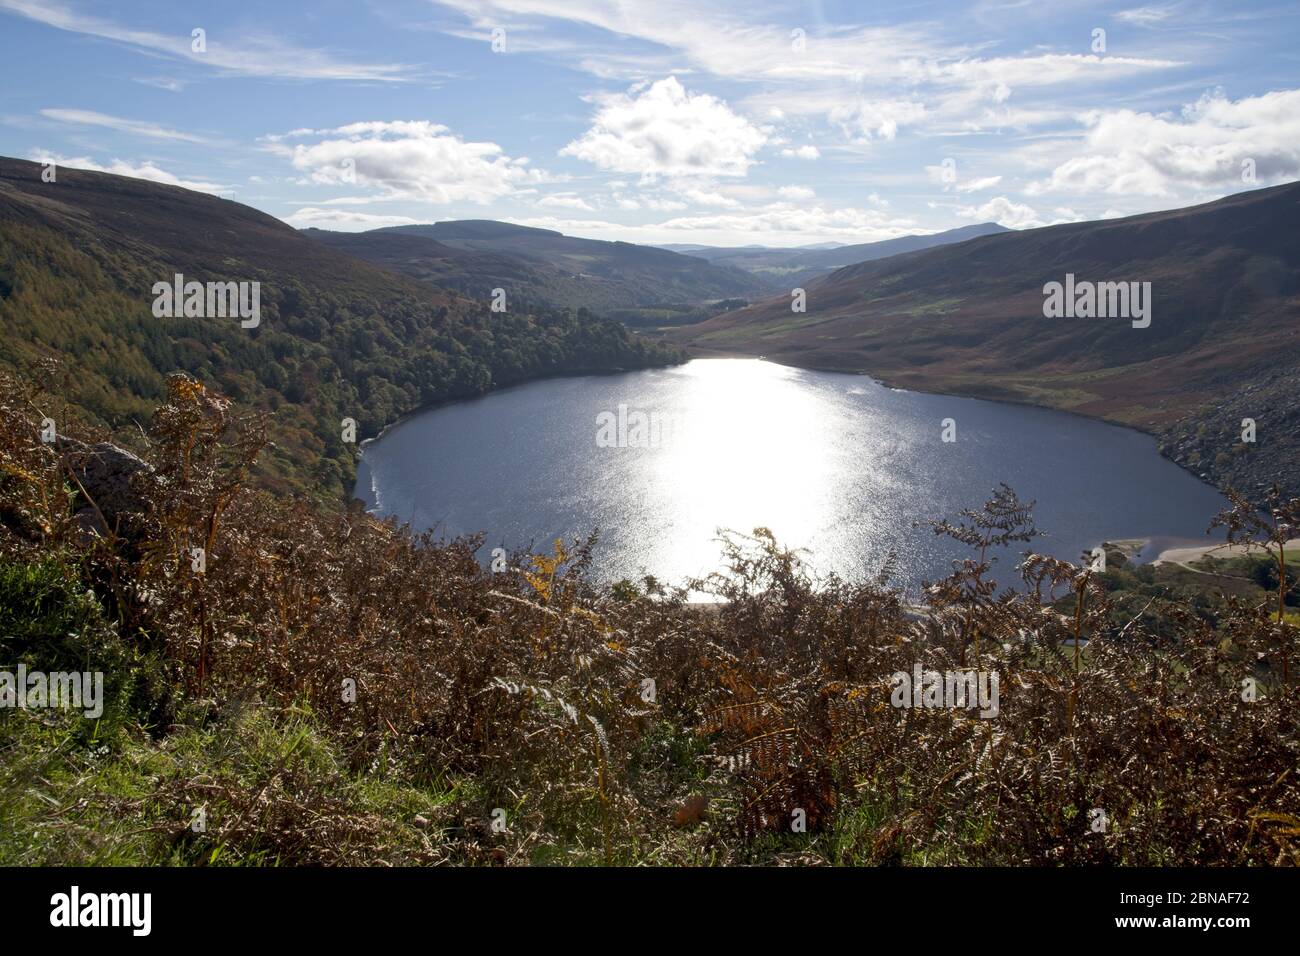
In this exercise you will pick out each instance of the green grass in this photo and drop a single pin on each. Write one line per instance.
(112, 792)
(131, 801)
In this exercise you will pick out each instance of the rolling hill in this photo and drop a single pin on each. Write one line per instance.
(337, 338)
(1223, 343)
(541, 268)
(787, 268)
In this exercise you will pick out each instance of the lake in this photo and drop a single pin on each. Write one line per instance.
(834, 463)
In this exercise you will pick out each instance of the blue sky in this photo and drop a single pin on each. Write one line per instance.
(665, 121)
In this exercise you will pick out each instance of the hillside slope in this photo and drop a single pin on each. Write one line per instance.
(1223, 343)
(541, 268)
(790, 267)
(337, 338)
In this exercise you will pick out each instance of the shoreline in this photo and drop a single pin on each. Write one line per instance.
(955, 393)
(498, 389)
(706, 352)
(1178, 553)
(1186, 555)
(1160, 548)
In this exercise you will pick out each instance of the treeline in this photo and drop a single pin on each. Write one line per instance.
(365, 349)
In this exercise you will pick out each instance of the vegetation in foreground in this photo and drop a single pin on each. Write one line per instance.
(329, 689)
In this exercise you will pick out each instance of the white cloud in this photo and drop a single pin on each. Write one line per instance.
(564, 201)
(410, 159)
(247, 55)
(1126, 173)
(119, 167)
(870, 81)
(643, 201)
(947, 178)
(878, 118)
(975, 185)
(997, 77)
(162, 83)
(344, 220)
(1147, 16)
(778, 225)
(709, 37)
(664, 130)
(802, 152)
(351, 201)
(1129, 153)
(796, 193)
(702, 194)
(787, 223)
(664, 205)
(135, 127)
(1013, 215)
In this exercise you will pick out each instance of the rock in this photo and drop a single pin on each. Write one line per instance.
(21, 523)
(109, 476)
(89, 526)
(1115, 557)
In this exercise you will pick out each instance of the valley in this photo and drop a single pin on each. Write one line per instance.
(335, 337)
(479, 434)
(967, 319)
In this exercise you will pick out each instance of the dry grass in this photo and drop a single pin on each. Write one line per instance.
(524, 697)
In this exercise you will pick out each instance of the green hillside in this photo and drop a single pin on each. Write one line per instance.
(338, 338)
(541, 268)
(788, 268)
(1223, 343)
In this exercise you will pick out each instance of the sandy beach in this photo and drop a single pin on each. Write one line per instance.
(1218, 550)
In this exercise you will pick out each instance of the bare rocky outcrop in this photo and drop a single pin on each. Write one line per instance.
(1209, 442)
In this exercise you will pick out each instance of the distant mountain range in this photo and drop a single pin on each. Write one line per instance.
(689, 247)
(1223, 342)
(788, 268)
(544, 268)
(641, 285)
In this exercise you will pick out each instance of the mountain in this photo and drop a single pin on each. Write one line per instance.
(789, 268)
(544, 268)
(708, 252)
(1223, 342)
(336, 337)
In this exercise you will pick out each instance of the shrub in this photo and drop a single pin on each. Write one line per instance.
(349, 692)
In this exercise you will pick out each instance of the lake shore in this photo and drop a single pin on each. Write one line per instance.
(961, 389)
(868, 444)
(1218, 550)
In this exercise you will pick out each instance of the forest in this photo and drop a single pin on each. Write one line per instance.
(324, 350)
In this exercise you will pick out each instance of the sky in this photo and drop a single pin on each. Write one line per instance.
(659, 121)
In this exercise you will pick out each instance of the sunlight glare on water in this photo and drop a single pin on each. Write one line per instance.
(833, 463)
(710, 478)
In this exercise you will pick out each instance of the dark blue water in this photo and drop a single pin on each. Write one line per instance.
(837, 464)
